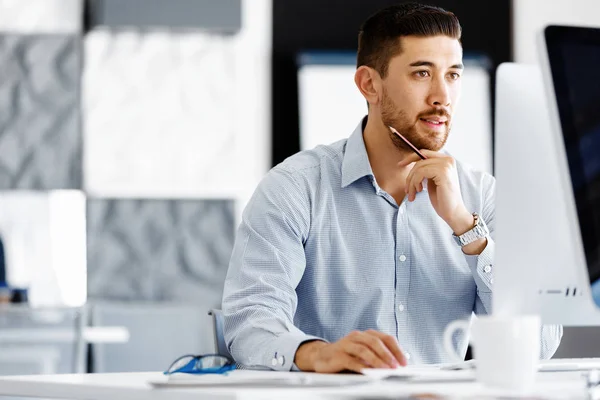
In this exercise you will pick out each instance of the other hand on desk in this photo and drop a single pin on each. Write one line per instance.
(354, 352)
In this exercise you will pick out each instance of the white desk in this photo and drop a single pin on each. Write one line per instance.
(133, 386)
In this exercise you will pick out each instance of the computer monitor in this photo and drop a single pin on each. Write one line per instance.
(540, 258)
(572, 63)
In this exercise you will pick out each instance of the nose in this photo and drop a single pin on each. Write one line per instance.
(439, 95)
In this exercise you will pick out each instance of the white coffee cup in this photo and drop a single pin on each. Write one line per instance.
(506, 349)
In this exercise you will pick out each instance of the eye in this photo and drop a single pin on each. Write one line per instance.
(422, 74)
(454, 76)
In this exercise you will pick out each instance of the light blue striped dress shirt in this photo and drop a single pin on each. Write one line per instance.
(322, 250)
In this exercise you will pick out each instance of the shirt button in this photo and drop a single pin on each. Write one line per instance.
(274, 362)
(491, 281)
(402, 258)
(281, 360)
(401, 210)
(407, 356)
(400, 307)
(487, 269)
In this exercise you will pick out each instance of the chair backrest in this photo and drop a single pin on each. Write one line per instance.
(220, 345)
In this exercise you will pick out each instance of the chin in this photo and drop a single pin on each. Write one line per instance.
(437, 146)
(435, 141)
(433, 146)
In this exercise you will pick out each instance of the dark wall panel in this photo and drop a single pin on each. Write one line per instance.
(300, 25)
(222, 16)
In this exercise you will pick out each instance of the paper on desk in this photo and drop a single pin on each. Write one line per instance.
(420, 373)
(553, 365)
(444, 384)
(241, 378)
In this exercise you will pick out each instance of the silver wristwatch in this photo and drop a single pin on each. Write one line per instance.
(479, 230)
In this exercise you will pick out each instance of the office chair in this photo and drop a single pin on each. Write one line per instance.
(220, 345)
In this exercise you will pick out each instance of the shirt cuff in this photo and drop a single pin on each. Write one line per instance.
(281, 357)
(482, 266)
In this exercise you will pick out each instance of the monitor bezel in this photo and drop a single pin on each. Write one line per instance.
(553, 37)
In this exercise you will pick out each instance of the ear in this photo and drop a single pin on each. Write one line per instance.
(368, 82)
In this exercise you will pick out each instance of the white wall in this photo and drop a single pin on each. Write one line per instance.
(44, 235)
(530, 16)
(178, 114)
(330, 104)
(331, 107)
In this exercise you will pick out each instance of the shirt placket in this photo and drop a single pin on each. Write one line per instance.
(403, 260)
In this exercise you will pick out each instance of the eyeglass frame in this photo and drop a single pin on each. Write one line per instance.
(229, 365)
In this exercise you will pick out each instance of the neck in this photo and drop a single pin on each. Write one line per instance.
(384, 157)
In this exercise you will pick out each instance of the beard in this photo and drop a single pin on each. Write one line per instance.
(420, 137)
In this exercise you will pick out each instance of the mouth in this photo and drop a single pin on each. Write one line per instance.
(433, 123)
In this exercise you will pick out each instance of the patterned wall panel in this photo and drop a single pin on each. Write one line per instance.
(40, 138)
(179, 114)
(159, 114)
(159, 249)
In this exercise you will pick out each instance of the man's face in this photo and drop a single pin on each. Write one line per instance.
(420, 91)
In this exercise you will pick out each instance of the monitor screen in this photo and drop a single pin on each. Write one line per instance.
(574, 57)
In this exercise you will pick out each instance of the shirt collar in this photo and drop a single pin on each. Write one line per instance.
(355, 164)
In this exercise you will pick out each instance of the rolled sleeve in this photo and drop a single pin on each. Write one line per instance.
(267, 263)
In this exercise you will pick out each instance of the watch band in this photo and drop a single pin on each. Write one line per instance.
(479, 231)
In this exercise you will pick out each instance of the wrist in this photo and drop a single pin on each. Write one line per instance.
(307, 353)
(461, 222)
(475, 248)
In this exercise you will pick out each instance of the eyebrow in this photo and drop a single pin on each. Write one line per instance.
(430, 64)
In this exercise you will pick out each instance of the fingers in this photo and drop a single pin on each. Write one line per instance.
(373, 342)
(359, 350)
(414, 157)
(436, 168)
(432, 154)
(393, 346)
(409, 159)
(352, 363)
(414, 182)
(382, 349)
(339, 361)
(367, 355)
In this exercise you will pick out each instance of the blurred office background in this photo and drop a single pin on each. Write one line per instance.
(133, 132)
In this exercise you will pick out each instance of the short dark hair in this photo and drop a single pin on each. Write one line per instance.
(379, 36)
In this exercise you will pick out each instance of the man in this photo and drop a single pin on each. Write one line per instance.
(359, 254)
